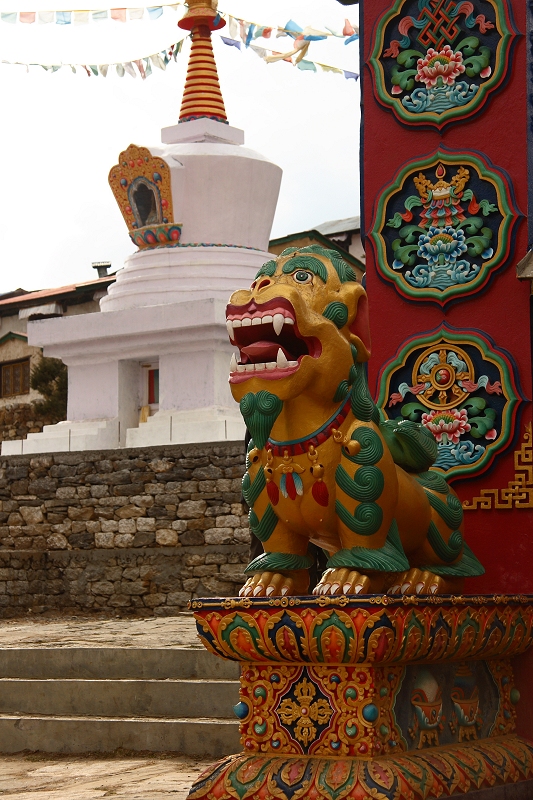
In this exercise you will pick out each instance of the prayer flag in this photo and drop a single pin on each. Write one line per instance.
(260, 51)
(249, 35)
(233, 28)
(94, 69)
(231, 42)
(9, 16)
(303, 64)
(81, 17)
(104, 69)
(147, 67)
(349, 75)
(348, 29)
(293, 29)
(327, 68)
(63, 17)
(128, 66)
(136, 13)
(157, 61)
(45, 17)
(154, 12)
(140, 66)
(27, 17)
(353, 38)
(118, 14)
(120, 70)
(98, 16)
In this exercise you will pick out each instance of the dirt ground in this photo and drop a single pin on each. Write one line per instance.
(48, 777)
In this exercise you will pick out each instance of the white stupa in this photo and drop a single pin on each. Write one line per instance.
(152, 367)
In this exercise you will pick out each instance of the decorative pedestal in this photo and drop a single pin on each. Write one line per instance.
(370, 697)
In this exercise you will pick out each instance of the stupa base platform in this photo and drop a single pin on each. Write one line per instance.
(371, 698)
(448, 771)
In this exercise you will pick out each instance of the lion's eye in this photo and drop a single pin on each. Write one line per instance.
(301, 276)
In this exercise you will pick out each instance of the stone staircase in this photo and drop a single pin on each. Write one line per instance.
(100, 699)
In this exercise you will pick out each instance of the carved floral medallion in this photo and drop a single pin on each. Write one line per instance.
(444, 226)
(437, 61)
(462, 388)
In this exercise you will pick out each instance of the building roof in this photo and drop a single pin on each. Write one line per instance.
(339, 226)
(11, 302)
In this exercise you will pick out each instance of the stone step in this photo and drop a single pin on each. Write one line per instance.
(69, 734)
(114, 663)
(119, 698)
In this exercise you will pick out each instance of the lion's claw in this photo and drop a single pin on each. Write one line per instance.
(266, 584)
(342, 581)
(414, 581)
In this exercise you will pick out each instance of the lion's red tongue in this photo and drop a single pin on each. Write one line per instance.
(261, 352)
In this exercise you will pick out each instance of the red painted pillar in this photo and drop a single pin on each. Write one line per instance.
(444, 212)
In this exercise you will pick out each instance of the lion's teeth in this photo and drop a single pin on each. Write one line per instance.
(289, 321)
(241, 367)
(271, 365)
(266, 319)
(277, 321)
(229, 326)
(281, 361)
(256, 320)
(293, 363)
(237, 323)
(233, 364)
(246, 322)
(260, 366)
(250, 367)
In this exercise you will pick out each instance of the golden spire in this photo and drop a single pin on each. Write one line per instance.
(202, 96)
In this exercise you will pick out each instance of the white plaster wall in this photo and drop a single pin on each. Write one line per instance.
(128, 396)
(93, 391)
(222, 193)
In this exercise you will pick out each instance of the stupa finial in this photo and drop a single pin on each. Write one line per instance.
(202, 96)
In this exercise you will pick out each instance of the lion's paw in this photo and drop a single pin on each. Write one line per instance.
(414, 581)
(342, 581)
(265, 584)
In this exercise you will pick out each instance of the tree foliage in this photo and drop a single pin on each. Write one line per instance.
(50, 378)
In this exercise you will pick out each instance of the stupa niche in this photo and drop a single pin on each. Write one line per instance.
(152, 369)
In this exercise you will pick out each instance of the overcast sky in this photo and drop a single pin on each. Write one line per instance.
(62, 132)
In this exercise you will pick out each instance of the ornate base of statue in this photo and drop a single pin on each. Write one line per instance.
(394, 698)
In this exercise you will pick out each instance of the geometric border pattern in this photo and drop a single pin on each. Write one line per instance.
(519, 492)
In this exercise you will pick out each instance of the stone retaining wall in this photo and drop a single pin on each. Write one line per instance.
(19, 419)
(137, 531)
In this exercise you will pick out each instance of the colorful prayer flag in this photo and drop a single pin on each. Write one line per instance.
(118, 14)
(231, 42)
(154, 12)
(303, 64)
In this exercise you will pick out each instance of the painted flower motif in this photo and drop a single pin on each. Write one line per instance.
(440, 64)
(442, 245)
(447, 426)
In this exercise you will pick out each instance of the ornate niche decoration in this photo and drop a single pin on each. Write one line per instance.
(444, 226)
(462, 388)
(437, 61)
(141, 185)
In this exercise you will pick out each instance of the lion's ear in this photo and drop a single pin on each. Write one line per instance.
(355, 298)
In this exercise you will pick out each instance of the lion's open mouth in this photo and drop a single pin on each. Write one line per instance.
(270, 344)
